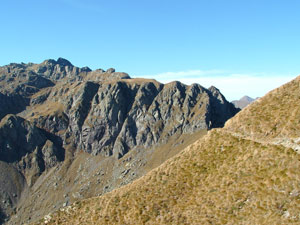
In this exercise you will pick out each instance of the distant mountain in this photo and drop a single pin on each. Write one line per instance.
(69, 133)
(243, 102)
(244, 173)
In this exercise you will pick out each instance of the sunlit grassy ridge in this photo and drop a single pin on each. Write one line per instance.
(218, 180)
(223, 178)
(276, 115)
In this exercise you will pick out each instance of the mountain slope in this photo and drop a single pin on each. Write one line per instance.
(77, 133)
(274, 118)
(234, 175)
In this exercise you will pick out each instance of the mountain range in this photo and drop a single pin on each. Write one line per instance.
(244, 173)
(70, 133)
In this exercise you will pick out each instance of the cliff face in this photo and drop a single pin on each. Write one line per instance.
(112, 118)
(65, 115)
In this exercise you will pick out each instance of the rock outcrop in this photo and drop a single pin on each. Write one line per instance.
(112, 118)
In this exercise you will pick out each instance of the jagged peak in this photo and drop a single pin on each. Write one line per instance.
(64, 62)
(216, 92)
(214, 89)
(86, 69)
(175, 83)
(16, 65)
(100, 70)
(60, 61)
(196, 85)
(49, 61)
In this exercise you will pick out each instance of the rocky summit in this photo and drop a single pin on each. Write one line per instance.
(68, 133)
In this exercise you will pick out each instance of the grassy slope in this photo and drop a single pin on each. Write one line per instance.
(276, 115)
(220, 179)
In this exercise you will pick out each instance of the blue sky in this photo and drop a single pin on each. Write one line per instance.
(242, 47)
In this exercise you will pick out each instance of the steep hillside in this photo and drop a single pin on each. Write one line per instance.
(72, 133)
(274, 118)
(234, 175)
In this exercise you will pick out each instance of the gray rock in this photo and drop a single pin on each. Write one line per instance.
(64, 62)
(124, 116)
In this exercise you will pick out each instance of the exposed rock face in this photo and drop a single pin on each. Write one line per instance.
(17, 138)
(25, 152)
(99, 113)
(11, 104)
(112, 118)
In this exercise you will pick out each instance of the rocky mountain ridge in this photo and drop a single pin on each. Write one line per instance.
(244, 173)
(56, 117)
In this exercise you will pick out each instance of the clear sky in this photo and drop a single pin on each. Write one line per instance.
(241, 47)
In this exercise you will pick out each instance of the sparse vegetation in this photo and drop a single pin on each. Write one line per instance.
(274, 116)
(242, 184)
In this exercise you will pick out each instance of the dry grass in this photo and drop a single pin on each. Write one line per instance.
(175, 145)
(219, 180)
(49, 108)
(275, 115)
